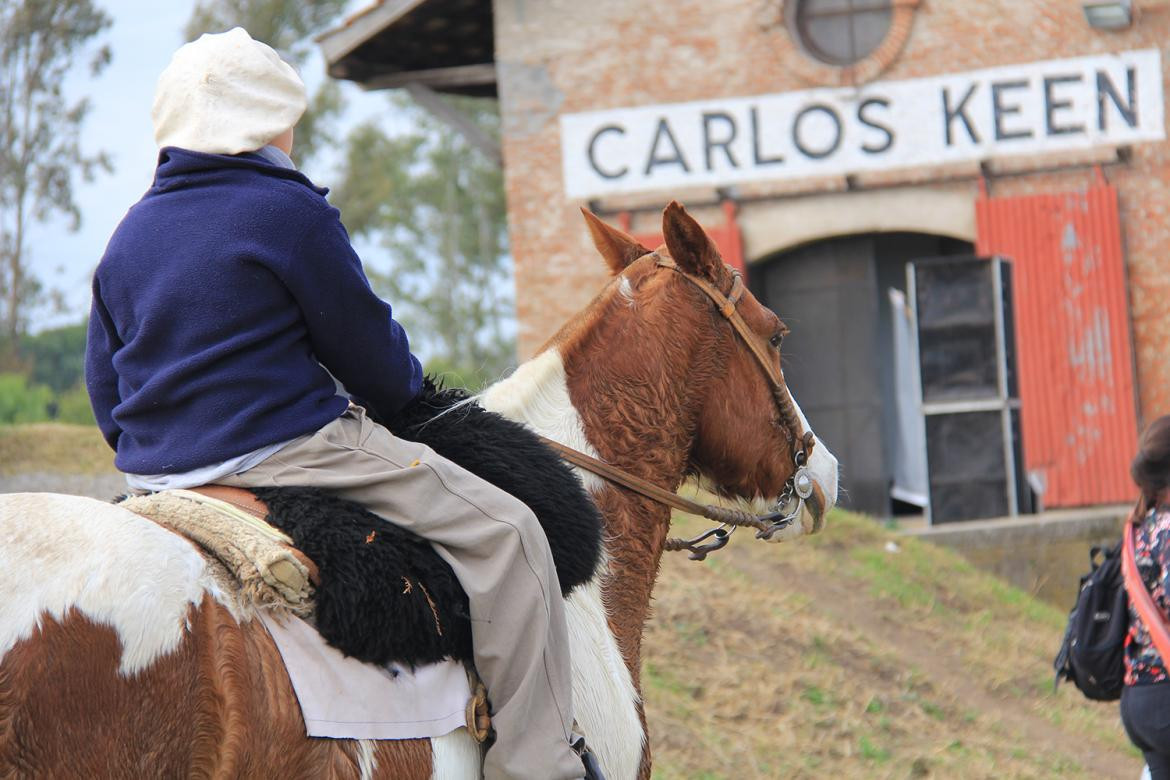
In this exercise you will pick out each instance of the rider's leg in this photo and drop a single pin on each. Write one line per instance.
(499, 553)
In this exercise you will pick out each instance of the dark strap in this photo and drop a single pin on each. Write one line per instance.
(727, 307)
(719, 514)
(1139, 596)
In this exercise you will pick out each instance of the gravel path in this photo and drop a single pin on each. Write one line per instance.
(101, 486)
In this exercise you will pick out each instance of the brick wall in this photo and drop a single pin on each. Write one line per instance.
(565, 56)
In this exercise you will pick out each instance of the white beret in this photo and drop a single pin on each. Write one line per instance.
(225, 94)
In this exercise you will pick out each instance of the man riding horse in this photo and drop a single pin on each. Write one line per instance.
(228, 302)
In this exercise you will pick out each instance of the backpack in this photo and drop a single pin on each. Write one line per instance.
(1092, 655)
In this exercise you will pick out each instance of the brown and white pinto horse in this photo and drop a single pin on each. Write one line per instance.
(121, 655)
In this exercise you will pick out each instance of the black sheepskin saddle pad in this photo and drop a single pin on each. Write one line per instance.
(385, 595)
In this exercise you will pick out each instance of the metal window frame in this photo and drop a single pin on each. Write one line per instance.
(1004, 404)
(801, 15)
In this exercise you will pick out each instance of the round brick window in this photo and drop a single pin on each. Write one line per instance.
(840, 32)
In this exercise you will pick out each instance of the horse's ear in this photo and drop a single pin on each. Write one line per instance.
(689, 245)
(618, 249)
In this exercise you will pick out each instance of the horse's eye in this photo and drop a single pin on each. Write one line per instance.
(776, 339)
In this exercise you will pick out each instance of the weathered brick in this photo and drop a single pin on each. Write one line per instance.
(567, 56)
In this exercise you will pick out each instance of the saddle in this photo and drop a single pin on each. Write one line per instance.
(262, 565)
(229, 525)
(375, 591)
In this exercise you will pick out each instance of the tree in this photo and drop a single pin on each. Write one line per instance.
(73, 407)
(436, 204)
(288, 27)
(22, 402)
(55, 357)
(40, 153)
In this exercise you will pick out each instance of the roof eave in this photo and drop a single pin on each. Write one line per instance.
(344, 39)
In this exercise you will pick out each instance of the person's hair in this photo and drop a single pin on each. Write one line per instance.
(1151, 466)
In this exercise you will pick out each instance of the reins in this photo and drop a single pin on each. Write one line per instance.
(728, 516)
(798, 488)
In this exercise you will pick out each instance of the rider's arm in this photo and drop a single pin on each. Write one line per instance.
(101, 380)
(351, 329)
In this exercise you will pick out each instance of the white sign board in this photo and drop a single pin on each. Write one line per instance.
(1034, 108)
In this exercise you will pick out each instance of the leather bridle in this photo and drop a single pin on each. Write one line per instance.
(798, 488)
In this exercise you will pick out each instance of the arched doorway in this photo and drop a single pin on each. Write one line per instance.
(839, 357)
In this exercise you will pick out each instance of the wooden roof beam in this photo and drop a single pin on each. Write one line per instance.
(353, 32)
(435, 78)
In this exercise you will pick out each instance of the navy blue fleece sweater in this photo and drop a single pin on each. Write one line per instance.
(220, 296)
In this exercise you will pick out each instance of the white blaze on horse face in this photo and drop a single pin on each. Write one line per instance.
(822, 464)
(604, 697)
(116, 568)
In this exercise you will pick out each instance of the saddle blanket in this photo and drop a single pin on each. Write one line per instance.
(340, 696)
(343, 698)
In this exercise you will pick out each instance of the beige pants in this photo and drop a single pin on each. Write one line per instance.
(498, 551)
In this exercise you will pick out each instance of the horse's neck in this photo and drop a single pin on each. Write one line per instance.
(637, 429)
(634, 433)
(537, 394)
(606, 616)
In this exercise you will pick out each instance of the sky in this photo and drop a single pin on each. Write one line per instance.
(144, 35)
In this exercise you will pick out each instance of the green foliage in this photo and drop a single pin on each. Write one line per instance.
(49, 381)
(56, 357)
(40, 154)
(284, 25)
(436, 205)
(451, 375)
(288, 27)
(21, 402)
(73, 407)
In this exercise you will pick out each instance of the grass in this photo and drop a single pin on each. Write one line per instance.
(72, 449)
(832, 656)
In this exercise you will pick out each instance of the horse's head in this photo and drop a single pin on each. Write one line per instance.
(749, 435)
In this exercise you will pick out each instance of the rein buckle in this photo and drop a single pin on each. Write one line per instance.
(698, 552)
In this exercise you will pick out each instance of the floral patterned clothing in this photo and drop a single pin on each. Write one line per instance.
(1143, 663)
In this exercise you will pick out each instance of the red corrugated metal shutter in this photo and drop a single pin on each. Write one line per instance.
(1073, 339)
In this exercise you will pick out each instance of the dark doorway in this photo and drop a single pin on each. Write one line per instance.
(838, 358)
